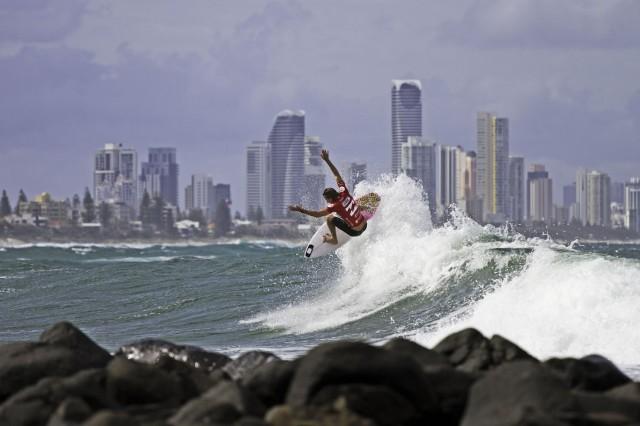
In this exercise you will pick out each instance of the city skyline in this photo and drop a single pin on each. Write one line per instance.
(208, 79)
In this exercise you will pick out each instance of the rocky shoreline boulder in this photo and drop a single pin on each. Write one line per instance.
(65, 379)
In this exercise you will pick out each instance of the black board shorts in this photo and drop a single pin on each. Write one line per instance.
(342, 225)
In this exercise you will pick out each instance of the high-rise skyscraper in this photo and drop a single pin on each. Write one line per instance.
(314, 176)
(539, 194)
(115, 176)
(516, 202)
(356, 173)
(199, 195)
(617, 192)
(406, 117)
(418, 161)
(493, 163)
(159, 176)
(287, 161)
(473, 203)
(632, 205)
(221, 193)
(598, 199)
(259, 179)
(569, 195)
(536, 172)
(447, 178)
(580, 212)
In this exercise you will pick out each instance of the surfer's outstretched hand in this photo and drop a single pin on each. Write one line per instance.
(324, 155)
(295, 208)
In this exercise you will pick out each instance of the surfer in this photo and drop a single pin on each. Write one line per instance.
(350, 219)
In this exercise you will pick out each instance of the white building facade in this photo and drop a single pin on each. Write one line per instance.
(115, 176)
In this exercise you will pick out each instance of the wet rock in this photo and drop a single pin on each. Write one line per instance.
(150, 351)
(194, 381)
(250, 421)
(111, 418)
(225, 402)
(590, 373)
(36, 403)
(378, 403)
(339, 415)
(62, 350)
(339, 363)
(629, 391)
(451, 387)
(131, 382)
(520, 393)
(423, 356)
(270, 381)
(470, 351)
(247, 362)
(600, 406)
(70, 411)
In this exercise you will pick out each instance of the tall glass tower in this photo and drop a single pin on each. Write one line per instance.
(287, 161)
(159, 175)
(406, 117)
(493, 165)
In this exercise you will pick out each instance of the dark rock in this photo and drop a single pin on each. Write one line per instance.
(470, 351)
(284, 415)
(423, 356)
(340, 363)
(250, 421)
(451, 387)
(520, 393)
(630, 391)
(63, 350)
(36, 403)
(247, 362)
(111, 418)
(225, 402)
(151, 350)
(503, 350)
(378, 403)
(131, 382)
(202, 412)
(595, 405)
(70, 411)
(194, 381)
(270, 381)
(591, 373)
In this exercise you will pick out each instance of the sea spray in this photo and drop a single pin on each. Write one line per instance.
(400, 256)
(562, 303)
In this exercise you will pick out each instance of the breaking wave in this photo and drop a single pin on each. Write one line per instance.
(405, 277)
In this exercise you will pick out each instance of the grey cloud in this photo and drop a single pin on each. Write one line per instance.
(39, 20)
(546, 24)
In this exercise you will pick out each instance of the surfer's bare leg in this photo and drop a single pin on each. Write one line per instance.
(331, 239)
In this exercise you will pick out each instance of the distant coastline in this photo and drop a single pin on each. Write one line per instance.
(564, 234)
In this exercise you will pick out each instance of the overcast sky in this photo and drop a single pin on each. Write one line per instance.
(208, 77)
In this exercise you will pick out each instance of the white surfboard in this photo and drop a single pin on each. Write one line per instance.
(316, 247)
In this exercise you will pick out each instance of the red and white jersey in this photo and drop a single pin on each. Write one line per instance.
(346, 207)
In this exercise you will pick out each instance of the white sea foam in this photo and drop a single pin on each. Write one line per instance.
(563, 302)
(399, 256)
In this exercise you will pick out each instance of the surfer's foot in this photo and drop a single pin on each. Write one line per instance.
(329, 239)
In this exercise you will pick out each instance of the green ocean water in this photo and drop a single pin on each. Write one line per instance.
(401, 278)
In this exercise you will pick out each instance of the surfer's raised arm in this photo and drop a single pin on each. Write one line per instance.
(314, 213)
(325, 156)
